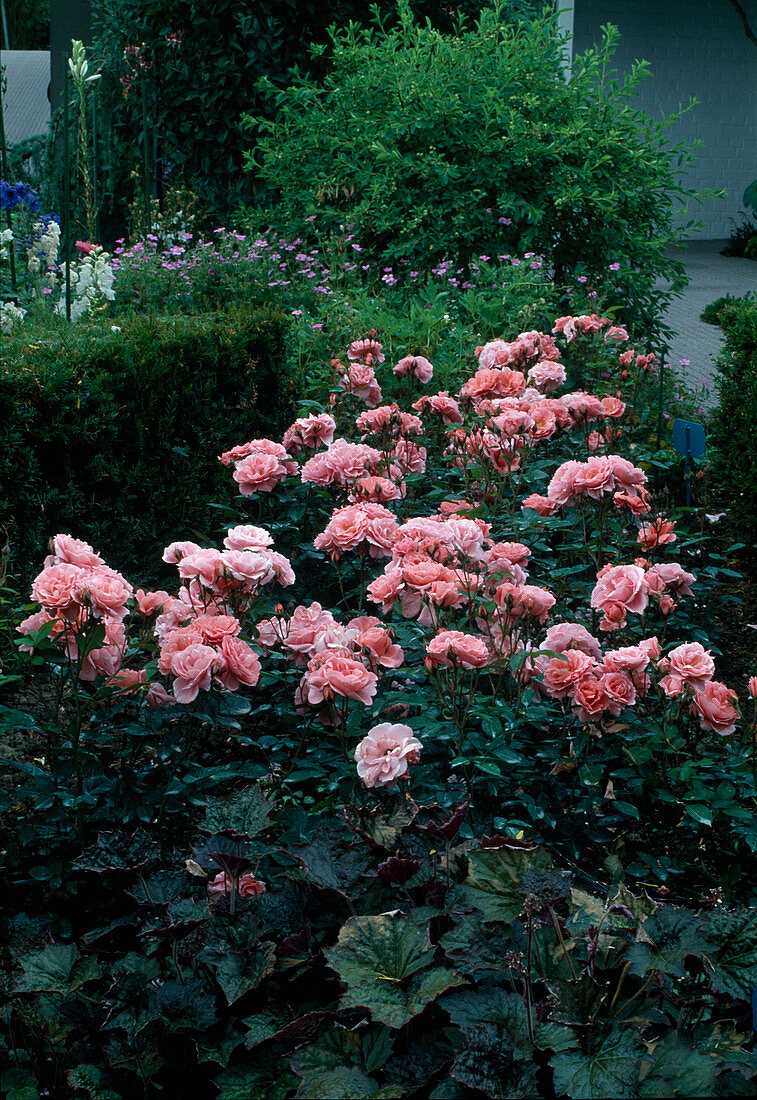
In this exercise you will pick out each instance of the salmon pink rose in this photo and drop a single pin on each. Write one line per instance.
(223, 884)
(74, 551)
(247, 536)
(337, 675)
(258, 473)
(454, 648)
(622, 585)
(57, 588)
(383, 756)
(562, 674)
(714, 707)
(236, 663)
(692, 663)
(416, 366)
(192, 668)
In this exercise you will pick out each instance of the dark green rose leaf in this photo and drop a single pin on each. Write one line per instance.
(117, 852)
(187, 1004)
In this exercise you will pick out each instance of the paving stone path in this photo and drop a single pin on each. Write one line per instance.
(712, 276)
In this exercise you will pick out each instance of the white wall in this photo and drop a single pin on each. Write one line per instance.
(695, 48)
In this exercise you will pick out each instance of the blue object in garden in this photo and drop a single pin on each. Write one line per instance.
(13, 194)
(688, 440)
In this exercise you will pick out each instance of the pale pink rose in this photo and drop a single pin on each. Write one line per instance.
(672, 685)
(561, 674)
(223, 884)
(175, 551)
(466, 537)
(543, 505)
(619, 687)
(564, 636)
(547, 375)
(336, 675)
(237, 664)
(282, 568)
(207, 566)
(562, 488)
(304, 627)
(250, 567)
(360, 380)
(377, 489)
(583, 407)
(672, 577)
(383, 756)
(454, 648)
(408, 457)
(106, 660)
(173, 642)
(622, 585)
(57, 587)
(105, 592)
(247, 537)
(126, 681)
(651, 647)
(495, 354)
(341, 464)
(714, 706)
(74, 551)
(192, 668)
(632, 658)
(416, 366)
(613, 406)
(258, 473)
(157, 696)
(442, 405)
(150, 603)
(626, 474)
(692, 663)
(567, 326)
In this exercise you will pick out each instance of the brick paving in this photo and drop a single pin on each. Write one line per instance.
(712, 276)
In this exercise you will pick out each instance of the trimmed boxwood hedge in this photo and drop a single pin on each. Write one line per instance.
(113, 435)
(732, 431)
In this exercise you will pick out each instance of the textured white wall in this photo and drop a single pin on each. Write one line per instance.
(695, 48)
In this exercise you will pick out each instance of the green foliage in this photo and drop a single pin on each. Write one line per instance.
(474, 142)
(116, 434)
(732, 428)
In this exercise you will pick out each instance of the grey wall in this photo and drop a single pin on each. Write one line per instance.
(695, 48)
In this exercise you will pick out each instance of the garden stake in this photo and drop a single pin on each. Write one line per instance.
(66, 190)
(6, 176)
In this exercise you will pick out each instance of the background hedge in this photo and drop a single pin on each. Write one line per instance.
(732, 431)
(114, 436)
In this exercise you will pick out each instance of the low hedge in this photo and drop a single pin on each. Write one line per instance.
(112, 434)
(732, 432)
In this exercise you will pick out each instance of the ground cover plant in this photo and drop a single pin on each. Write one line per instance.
(420, 780)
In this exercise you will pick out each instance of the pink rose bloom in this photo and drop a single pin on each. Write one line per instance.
(336, 675)
(564, 636)
(247, 886)
(341, 464)
(692, 663)
(214, 628)
(250, 567)
(416, 366)
(620, 689)
(714, 707)
(386, 588)
(595, 478)
(672, 577)
(408, 457)
(632, 658)
(589, 698)
(304, 628)
(442, 405)
(106, 660)
(613, 406)
(380, 647)
(175, 551)
(377, 489)
(495, 354)
(173, 642)
(542, 505)
(192, 668)
(57, 588)
(452, 647)
(74, 551)
(583, 407)
(623, 585)
(361, 380)
(367, 350)
(494, 383)
(567, 326)
(616, 333)
(239, 664)
(563, 489)
(207, 566)
(157, 696)
(637, 501)
(247, 537)
(104, 591)
(258, 473)
(315, 430)
(150, 603)
(127, 680)
(547, 375)
(34, 622)
(384, 754)
(524, 601)
(561, 674)
(626, 474)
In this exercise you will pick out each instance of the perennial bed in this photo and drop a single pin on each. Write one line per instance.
(422, 785)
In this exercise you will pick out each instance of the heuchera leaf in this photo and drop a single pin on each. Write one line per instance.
(340, 1061)
(246, 813)
(118, 852)
(735, 958)
(609, 1072)
(486, 1063)
(56, 969)
(380, 960)
(674, 934)
(494, 879)
(675, 1069)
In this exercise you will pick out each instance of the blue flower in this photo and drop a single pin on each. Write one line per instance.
(12, 195)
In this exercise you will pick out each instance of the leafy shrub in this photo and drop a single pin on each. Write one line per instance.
(475, 143)
(732, 431)
(116, 433)
(711, 313)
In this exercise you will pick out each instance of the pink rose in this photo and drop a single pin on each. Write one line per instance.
(383, 755)
(692, 663)
(57, 588)
(564, 636)
(416, 366)
(542, 505)
(74, 551)
(247, 537)
(150, 603)
(562, 674)
(247, 886)
(714, 707)
(258, 473)
(589, 698)
(621, 585)
(380, 647)
(192, 668)
(336, 675)
(240, 664)
(452, 647)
